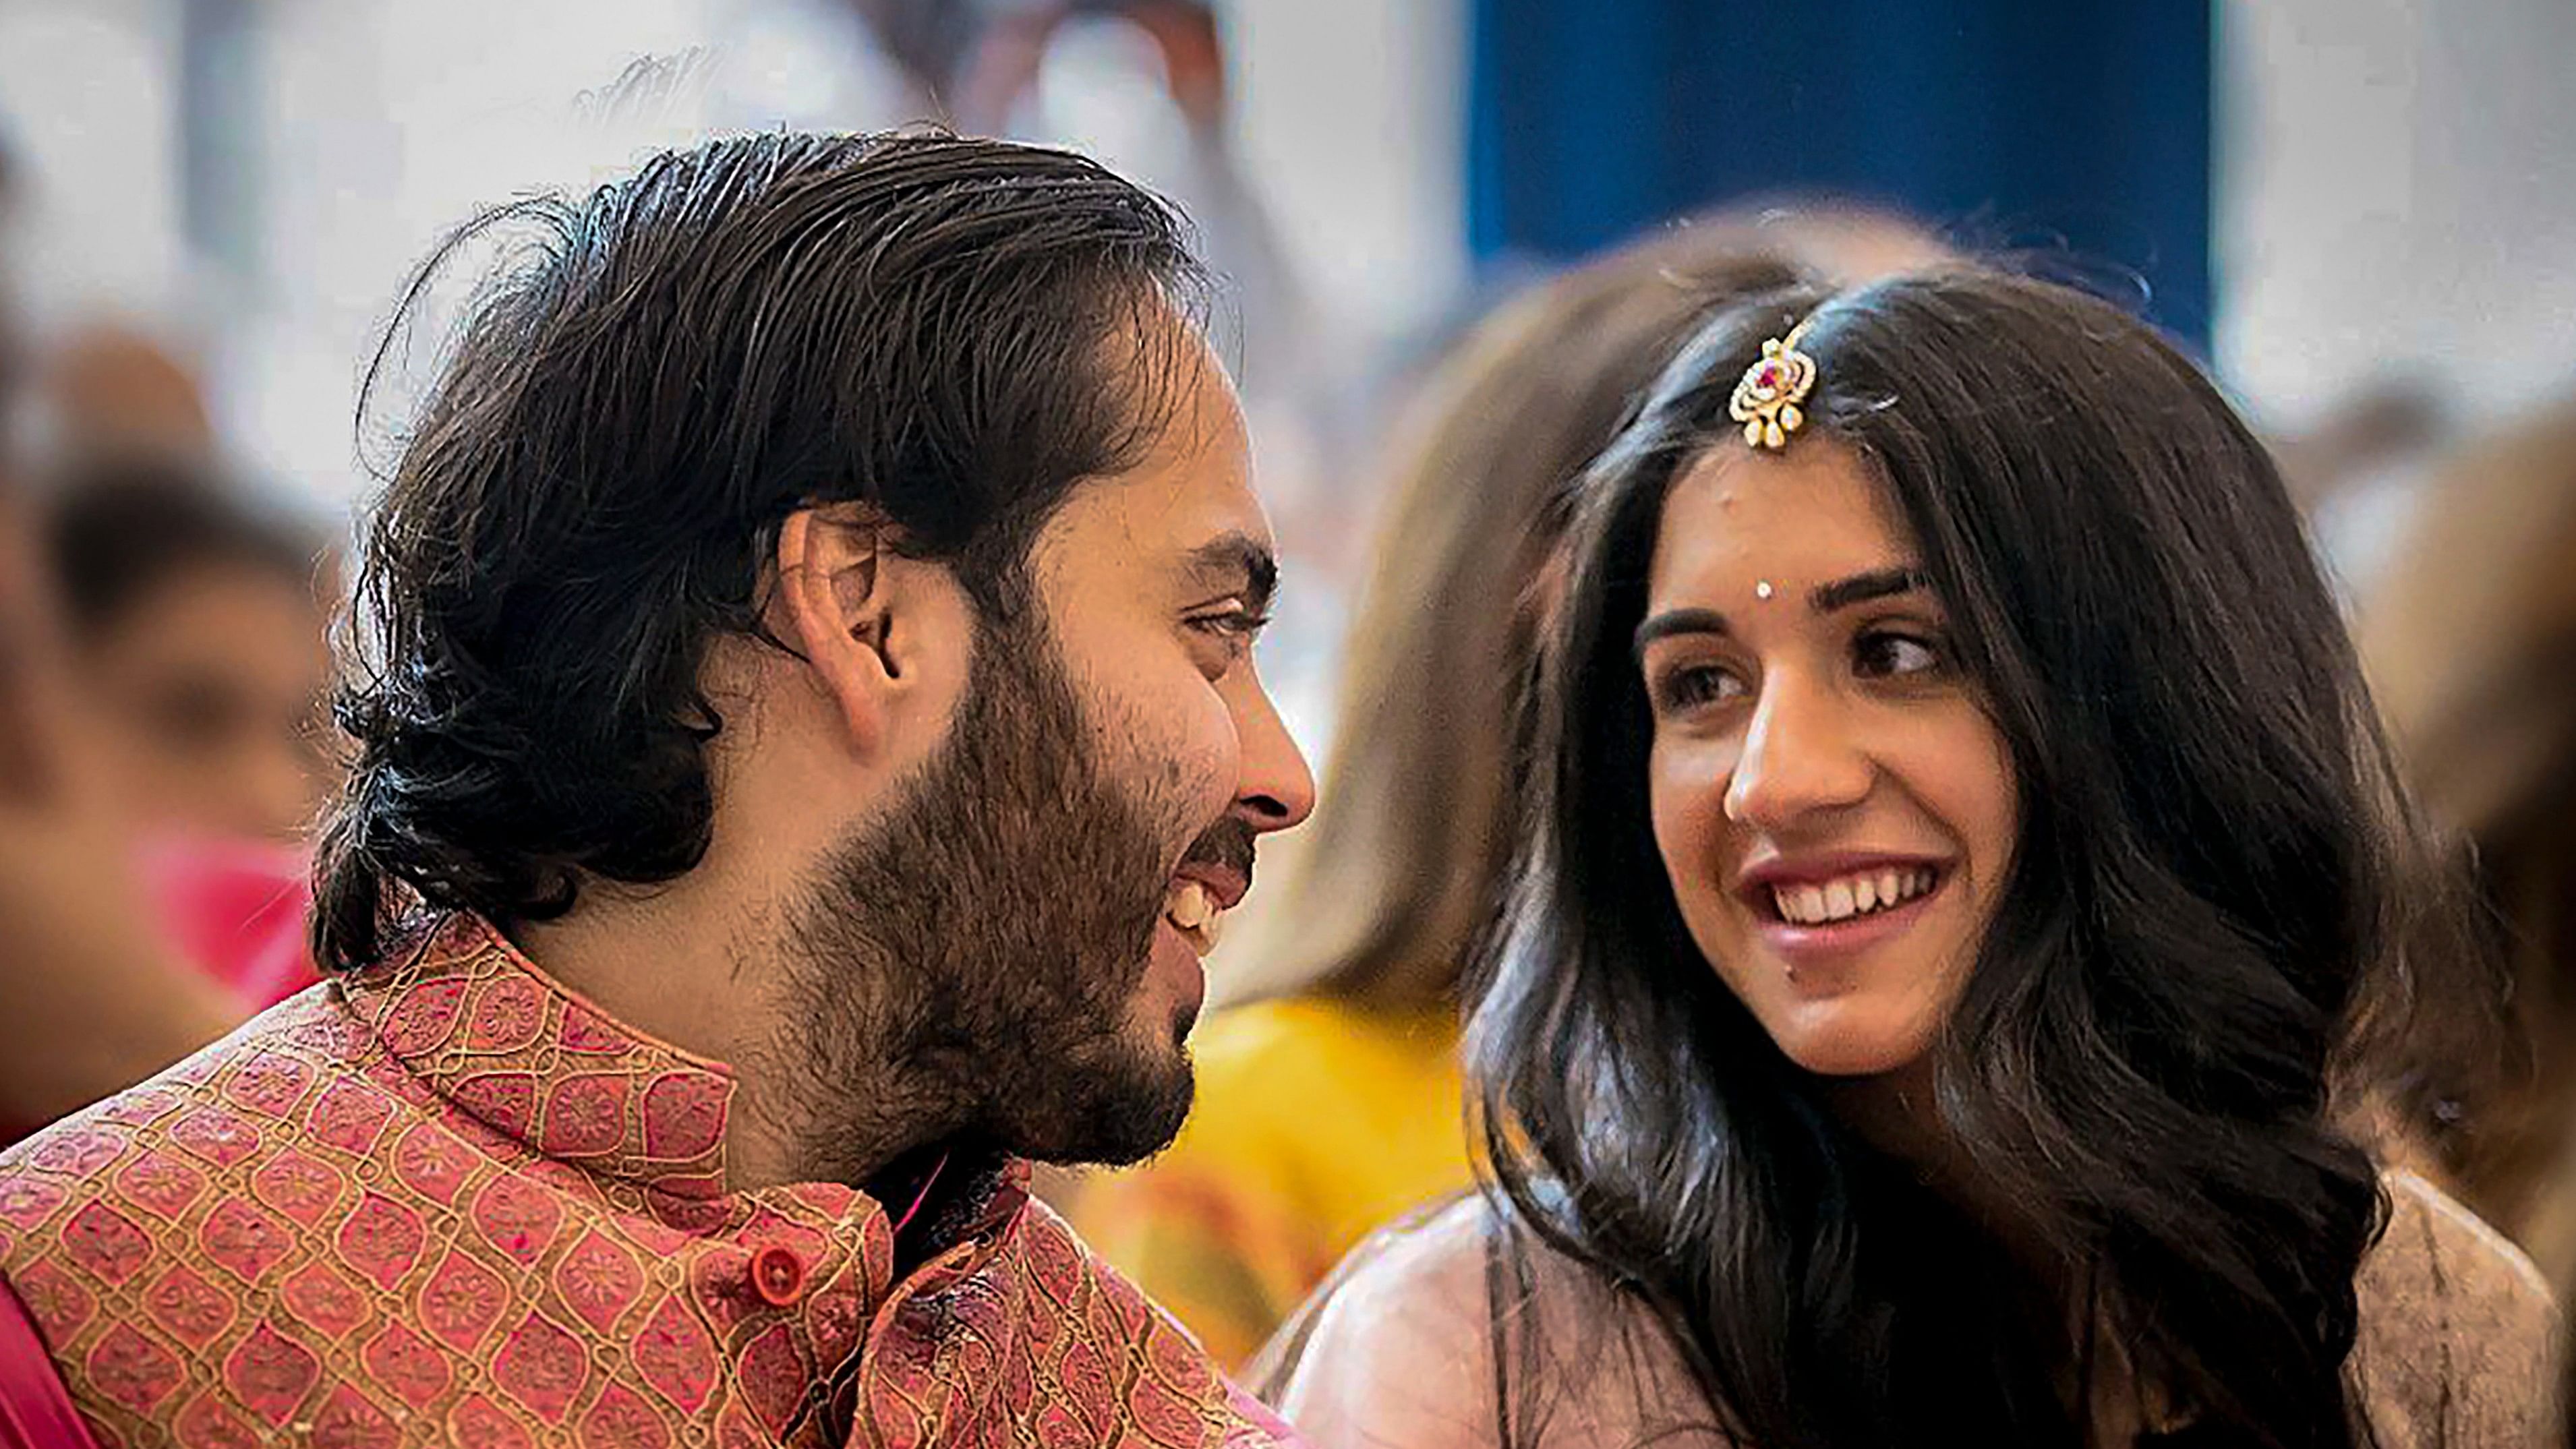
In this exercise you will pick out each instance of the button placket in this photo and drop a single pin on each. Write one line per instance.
(912, 1311)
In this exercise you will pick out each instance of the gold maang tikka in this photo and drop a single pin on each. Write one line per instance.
(1767, 396)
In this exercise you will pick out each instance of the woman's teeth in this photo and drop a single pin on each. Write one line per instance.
(1851, 895)
(1193, 911)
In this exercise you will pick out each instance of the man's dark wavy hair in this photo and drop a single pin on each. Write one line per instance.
(2212, 917)
(951, 332)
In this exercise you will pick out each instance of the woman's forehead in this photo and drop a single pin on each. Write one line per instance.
(1814, 509)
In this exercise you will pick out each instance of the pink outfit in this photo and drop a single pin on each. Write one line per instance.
(35, 1409)
(446, 1200)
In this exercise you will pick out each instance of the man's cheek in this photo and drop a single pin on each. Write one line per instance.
(1211, 768)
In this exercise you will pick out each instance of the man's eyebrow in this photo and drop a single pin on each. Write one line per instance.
(1861, 588)
(1236, 563)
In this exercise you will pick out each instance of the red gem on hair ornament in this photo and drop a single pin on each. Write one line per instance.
(1767, 397)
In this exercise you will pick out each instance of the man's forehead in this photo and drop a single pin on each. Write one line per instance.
(1100, 544)
(1205, 529)
(1191, 486)
(1183, 514)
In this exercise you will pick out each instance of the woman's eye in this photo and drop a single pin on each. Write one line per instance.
(1880, 655)
(1695, 685)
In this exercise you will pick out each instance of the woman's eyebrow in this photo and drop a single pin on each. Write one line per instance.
(1861, 588)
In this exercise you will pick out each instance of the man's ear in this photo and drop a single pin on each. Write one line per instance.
(836, 606)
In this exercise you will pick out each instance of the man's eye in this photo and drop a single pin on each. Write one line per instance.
(1235, 623)
(1232, 632)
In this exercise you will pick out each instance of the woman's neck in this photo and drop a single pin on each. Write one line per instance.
(1898, 1114)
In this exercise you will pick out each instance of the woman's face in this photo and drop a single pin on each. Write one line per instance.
(1834, 807)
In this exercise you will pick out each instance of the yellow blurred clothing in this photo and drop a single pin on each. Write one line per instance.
(1317, 1122)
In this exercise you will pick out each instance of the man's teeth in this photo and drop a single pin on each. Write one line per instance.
(1192, 907)
(1851, 895)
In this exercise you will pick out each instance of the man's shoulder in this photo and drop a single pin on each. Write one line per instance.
(1066, 1268)
(308, 1026)
(281, 1225)
(273, 1120)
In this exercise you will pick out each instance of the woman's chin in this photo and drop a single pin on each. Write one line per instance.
(1847, 1063)
(1843, 1043)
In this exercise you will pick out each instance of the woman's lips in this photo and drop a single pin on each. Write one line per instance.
(1803, 942)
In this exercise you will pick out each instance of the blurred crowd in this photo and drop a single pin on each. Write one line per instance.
(163, 659)
(165, 740)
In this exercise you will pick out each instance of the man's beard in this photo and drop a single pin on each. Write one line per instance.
(967, 967)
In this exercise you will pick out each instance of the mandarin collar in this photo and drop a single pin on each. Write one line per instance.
(537, 1062)
(468, 1013)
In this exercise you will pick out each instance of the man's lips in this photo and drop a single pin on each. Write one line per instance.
(1226, 886)
(1211, 879)
(1220, 860)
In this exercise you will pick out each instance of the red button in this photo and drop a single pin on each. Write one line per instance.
(778, 1275)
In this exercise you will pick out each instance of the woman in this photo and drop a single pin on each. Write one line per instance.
(1329, 1097)
(1962, 862)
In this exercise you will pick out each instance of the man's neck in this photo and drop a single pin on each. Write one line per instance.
(680, 967)
(693, 967)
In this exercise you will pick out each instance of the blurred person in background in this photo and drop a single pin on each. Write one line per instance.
(1330, 1098)
(93, 995)
(1966, 869)
(108, 392)
(198, 632)
(2470, 639)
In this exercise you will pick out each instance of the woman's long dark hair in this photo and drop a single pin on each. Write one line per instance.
(2211, 874)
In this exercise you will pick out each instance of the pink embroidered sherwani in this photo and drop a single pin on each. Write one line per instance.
(447, 1201)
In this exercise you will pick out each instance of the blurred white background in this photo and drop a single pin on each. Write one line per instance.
(249, 180)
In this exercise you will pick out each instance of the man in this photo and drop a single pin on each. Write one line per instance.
(805, 735)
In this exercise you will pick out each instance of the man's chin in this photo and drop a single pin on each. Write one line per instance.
(1121, 1122)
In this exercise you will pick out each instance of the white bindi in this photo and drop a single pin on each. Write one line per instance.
(1762, 589)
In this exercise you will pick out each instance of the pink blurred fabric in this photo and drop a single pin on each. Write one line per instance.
(236, 909)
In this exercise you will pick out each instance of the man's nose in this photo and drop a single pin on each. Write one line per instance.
(1278, 790)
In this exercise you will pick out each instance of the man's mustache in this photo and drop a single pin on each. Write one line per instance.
(1227, 845)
